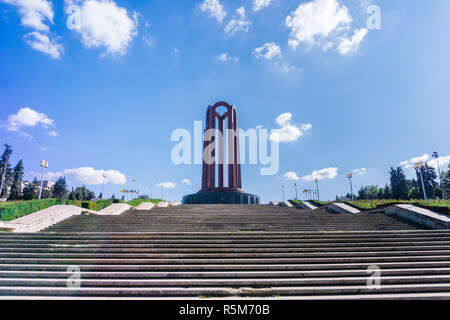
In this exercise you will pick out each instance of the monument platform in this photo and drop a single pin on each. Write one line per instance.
(221, 197)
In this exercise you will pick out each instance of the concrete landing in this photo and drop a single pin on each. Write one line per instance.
(115, 209)
(146, 206)
(422, 216)
(342, 208)
(308, 205)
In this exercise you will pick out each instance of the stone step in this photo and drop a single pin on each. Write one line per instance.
(309, 245)
(239, 283)
(224, 267)
(372, 259)
(286, 249)
(222, 275)
(224, 291)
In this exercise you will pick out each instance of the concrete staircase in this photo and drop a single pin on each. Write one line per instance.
(230, 218)
(226, 251)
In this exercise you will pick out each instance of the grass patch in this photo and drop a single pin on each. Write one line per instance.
(137, 202)
(442, 206)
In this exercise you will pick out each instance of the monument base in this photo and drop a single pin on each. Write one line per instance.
(221, 197)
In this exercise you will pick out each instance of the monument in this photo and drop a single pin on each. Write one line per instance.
(210, 193)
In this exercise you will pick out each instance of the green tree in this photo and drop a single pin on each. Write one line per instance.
(429, 180)
(113, 196)
(83, 194)
(5, 171)
(30, 192)
(399, 185)
(72, 195)
(446, 182)
(60, 188)
(387, 192)
(16, 184)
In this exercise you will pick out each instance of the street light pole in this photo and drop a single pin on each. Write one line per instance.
(350, 176)
(282, 190)
(419, 166)
(162, 193)
(44, 165)
(103, 187)
(436, 156)
(317, 188)
(296, 194)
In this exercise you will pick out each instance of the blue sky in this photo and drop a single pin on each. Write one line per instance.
(108, 95)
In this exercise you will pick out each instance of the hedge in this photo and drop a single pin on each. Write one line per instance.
(12, 210)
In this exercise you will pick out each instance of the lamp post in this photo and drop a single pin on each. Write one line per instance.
(436, 156)
(44, 165)
(282, 190)
(419, 166)
(103, 187)
(317, 188)
(350, 176)
(132, 190)
(296, 194)
(162, 192)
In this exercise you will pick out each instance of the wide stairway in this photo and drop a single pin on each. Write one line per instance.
(230, 218)
(226, 251)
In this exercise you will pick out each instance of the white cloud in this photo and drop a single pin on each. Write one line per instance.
(407, 164)
(289, 131)
(238, 23)
(316, 19)
(53, 133)
(225, 57)
(167, 185)
(89, 175)
(27, 117)
(292, 176)
(283, 119)
(102, 23)
(425, 158)
(260, 4)
(351, 45)
(35, 14)
(215, 9)
(327, 173)
(443, 163)
(187, 182)
(268, 51)
(361, 171)
(322, 22)
(287, 68)
(41, 42)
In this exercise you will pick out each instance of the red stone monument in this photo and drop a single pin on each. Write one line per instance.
(212, 160)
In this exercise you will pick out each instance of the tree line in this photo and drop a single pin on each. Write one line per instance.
(11, 181)
(401, 188)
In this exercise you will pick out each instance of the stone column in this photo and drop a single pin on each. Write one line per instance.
(237, 155)
(231, 150)
(212, 166)
(221, 143)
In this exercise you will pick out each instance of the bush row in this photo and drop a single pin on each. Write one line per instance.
(13, 210)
